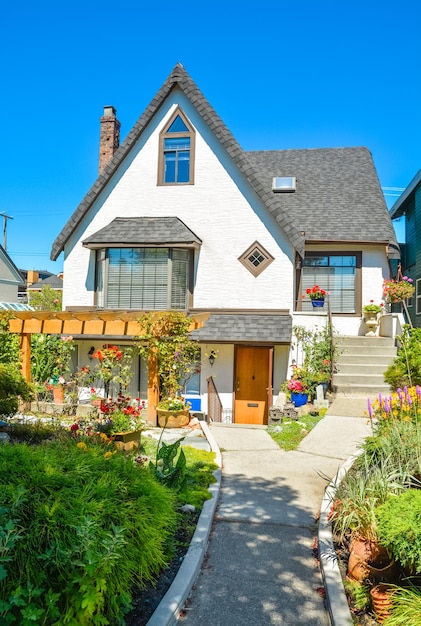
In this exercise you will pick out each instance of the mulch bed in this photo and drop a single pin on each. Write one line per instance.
(145, 601)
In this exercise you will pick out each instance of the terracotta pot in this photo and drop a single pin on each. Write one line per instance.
(369, 560)
(381, 598)
(58, 393)
(173, 419)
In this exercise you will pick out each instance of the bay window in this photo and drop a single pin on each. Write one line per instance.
(143, 278)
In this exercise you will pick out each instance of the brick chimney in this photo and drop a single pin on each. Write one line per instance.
(31, 277)
(109, 138)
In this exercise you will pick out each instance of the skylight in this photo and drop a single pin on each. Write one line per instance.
(284, 183)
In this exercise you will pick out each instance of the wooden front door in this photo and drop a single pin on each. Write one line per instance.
(253, 384)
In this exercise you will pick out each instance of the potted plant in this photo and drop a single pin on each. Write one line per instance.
(298, 386)
(371, 313)
(317, 295)
(124, 421)
(372, 309)
(173, 412)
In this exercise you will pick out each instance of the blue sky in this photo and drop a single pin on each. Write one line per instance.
(281, 74)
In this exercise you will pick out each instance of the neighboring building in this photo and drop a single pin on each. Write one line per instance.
(408, 205)
(10, 278)
(31, 277)
(54, 281)
(181, 217)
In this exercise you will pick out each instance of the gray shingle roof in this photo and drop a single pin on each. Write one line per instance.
(181, 79)
(143, 230)
(54, 281)
(338, 195)
(266, 328)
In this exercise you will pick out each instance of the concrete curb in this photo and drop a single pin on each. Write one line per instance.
(336, 600)
(166, 613)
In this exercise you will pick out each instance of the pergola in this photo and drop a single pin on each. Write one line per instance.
(80, 323)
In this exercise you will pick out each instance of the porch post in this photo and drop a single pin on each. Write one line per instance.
(25, 350)
(153, 388)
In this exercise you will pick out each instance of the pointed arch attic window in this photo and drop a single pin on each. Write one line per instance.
(176, 151)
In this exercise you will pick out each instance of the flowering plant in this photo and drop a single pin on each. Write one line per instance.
(122, 414)
(373, 308)
(173, 404)
(398, 290)
(298, 382)
(316, 293)
(55, 381)
(113, 367)
(108, 353)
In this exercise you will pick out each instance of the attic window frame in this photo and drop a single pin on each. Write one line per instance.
(164, 134)
(256, 270)
(284, 189)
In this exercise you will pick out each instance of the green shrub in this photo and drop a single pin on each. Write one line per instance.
(79, 527)
(405, 369)
(12, 387)
(9, 342)
(399, 527)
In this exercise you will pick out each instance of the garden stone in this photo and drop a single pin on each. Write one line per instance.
(4, 438)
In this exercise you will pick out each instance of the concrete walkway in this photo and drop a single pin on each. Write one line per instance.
(260, 568)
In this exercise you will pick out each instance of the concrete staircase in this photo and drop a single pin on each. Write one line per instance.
(360, 363)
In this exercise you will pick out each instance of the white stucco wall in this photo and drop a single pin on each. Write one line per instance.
(219, 208)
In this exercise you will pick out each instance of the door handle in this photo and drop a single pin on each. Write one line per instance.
(238, 384)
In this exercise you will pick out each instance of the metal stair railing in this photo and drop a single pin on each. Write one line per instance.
(214, 402)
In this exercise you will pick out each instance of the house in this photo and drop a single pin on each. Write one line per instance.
(181, 217)
(36, 284)
(10, 280)
(409, 205)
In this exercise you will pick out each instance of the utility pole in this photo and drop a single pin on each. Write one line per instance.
(5, 218)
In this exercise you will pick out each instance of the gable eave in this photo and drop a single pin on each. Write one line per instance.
(181, 79)
(18, 279)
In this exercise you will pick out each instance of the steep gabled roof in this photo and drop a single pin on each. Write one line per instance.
(181, 79)
(338, 195)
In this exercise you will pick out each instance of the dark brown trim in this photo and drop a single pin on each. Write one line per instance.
(163, 135)
(358, 278)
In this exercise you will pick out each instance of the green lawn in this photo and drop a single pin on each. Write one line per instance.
(289, 433)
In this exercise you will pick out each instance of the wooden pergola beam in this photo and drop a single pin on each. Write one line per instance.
(106, 324)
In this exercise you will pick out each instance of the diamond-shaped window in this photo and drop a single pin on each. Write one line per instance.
(256, 258)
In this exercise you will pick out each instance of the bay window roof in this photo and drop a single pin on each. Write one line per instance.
(143, 231)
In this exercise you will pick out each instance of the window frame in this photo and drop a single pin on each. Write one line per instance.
(267, 259)
(102, 277)
(358, 279)
(164, 134)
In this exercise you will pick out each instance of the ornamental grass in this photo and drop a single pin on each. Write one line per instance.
(80, 526)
